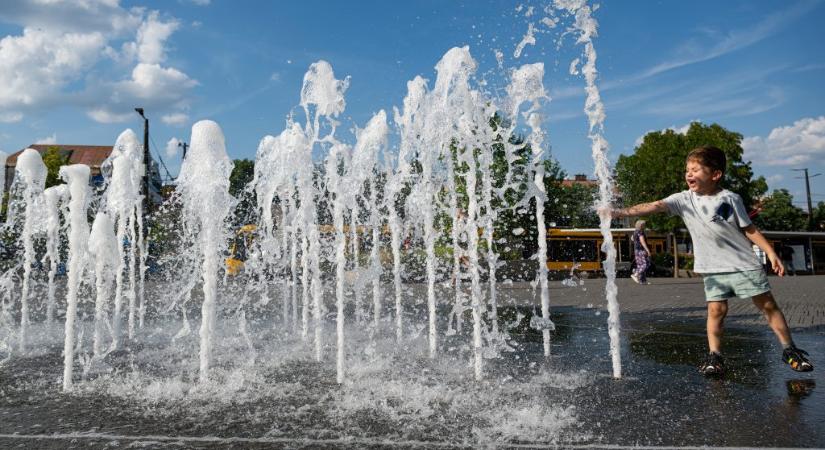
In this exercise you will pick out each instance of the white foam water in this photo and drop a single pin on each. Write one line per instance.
(203, 185)
(586, 26)
(32, 174)
(77, 178)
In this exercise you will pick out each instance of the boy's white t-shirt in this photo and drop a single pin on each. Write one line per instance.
(715, 223)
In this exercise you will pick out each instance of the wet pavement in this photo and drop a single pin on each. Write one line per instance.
(396, 397)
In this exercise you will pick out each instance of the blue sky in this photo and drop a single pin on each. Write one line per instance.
(72, 72)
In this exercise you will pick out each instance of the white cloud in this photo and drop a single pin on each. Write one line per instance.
(10, 116)
(38, 64)
(62, 16)
(153, 87)
(104, 115)
(172, 147)
(150, 44)
(176, 119)
(62, 59)
(774, 180)
(48, 140)
(800, 143)
(201, 2)
(153, 81)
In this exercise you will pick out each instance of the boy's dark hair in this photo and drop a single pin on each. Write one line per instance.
(709, 156)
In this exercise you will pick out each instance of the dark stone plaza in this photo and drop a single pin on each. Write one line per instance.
(283, 398)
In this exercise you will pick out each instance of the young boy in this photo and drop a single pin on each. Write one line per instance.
(722, 235)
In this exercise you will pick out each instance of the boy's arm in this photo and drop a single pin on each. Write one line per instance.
(642, 209)
(757, 238)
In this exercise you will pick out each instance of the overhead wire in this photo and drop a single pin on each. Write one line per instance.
(162, 163)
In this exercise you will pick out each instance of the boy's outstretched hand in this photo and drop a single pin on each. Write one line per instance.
(776, 265)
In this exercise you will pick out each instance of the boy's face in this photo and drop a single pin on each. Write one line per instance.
(701, 179)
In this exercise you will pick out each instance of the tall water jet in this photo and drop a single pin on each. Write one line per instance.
(472, 250)
(266, 186)
(54, 198)
(3, 157)
(526, 86)
(143, 247)
(459, 121)
(395, 182)
(32, 173)
(539, 193)
(415, 135)
(203, 185)
(342, 195)
(594, 109)
(322, 95)
(406, 122)
(430, 131)
(77, 177)
(103, 249)
(465, 142)
(458, 216)
(122, 202)
(370, 141)
(275, 178)
(489, 221)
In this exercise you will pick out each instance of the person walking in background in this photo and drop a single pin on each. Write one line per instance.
(786, 253)
(641, 253)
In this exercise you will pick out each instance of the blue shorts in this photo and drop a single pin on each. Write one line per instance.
(722, 286)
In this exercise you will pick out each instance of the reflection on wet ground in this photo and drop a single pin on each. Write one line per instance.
(147, 395)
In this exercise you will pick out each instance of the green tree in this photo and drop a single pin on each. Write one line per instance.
(819, 217)
(53, 160)
(572, 206)
(243, 172)
(656, 168)
(777, 213)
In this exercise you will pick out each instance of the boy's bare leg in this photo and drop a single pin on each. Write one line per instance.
(776, 320)
(717, 311)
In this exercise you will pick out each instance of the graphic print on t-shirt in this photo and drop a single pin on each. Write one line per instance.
(723, 212)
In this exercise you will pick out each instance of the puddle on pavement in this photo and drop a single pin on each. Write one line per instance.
(662, 399)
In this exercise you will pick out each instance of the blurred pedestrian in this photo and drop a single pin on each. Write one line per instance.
(641, 253)
(786, 253)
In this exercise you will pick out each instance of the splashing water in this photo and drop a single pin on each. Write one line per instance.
(103, 249)
(594, 109)
(203, 185)
(32, 173)
(426, 201)
(123, 204)
(55, 198)
(77, 178)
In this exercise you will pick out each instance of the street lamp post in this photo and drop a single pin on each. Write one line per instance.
(808, 193)
(142, 228)
(146, 161)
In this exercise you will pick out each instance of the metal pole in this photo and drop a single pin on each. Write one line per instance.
(810, 207)
(146, 161)
(675, 257)
(810, 251)
(808, 194)
(146, 166)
